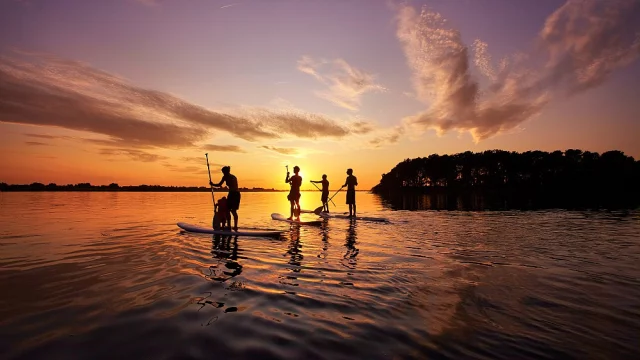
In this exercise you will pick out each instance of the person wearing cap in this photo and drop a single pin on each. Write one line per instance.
(294, 194)
(233, 198)
(325, 192)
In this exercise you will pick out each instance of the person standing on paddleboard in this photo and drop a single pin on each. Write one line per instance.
(325, 192)
(233, 198)
(294, 195)
(351, 184)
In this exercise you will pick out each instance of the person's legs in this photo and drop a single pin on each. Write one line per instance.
(235, 220)
(216, 221)
(291, 212)
(351, 200)
(298, 209)
(233, 202)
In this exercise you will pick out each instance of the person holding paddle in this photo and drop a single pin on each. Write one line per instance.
(294, 194)
(351, 184)
(233, 198)
(325, 192)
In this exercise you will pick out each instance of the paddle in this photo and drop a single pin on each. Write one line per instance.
(318, 210)
(213, 199)
(314, 184)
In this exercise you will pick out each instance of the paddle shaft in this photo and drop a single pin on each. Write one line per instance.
(314, 184)
(213, 199)
(319, 209)
(336, 193)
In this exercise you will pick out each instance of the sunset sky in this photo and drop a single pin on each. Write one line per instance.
(136, 91)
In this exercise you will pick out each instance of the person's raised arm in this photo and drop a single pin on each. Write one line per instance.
(287, 179)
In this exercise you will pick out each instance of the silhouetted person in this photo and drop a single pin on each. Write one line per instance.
(325, 192)
(351, 184)
(233, 198)
(294, 195)
(221, 215)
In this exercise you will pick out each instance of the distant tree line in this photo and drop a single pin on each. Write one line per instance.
(36, 186)
(568, 179)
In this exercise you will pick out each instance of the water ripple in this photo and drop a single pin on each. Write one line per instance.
(110, 275)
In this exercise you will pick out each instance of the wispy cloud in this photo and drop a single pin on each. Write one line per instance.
(42, 136)
(361, 127)
(196, 170)
(388, 136)
(46, 91)
(281, 150)
(101, 142)
(308, 65)
(36, 143)
(346, 84)
(198, 160)
(228, 6)
(223, 148)
(133, 154)
(588, 39)
(584, 40)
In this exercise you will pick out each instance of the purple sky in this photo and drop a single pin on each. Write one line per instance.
(238, 56)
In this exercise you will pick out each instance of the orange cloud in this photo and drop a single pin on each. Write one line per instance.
(346, 83)
(224, 148)
(281, 150)
(48, 91)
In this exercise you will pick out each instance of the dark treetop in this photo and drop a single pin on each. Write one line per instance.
(569, 179)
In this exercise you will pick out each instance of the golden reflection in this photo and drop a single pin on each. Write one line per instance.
(325, 241)
(294, 250)
(349, 258)
(225, 250)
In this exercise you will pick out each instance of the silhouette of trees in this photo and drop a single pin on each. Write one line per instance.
(36, 186)
(572, 178)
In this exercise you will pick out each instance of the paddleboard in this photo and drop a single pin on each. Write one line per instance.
(240, 232)
(280, 217)
(363, 218)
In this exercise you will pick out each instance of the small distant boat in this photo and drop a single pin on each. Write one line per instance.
(280, 217)
(363, 218)
(240, 232)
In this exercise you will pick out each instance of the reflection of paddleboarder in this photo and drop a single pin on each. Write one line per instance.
(351, 184)
(325, 192)
(233, 198)
(350, 244)
(294, 195)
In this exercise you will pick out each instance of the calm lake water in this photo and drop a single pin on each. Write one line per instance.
(110, 275)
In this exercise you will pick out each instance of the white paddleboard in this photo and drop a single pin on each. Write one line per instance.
(240, 232)
(280, 217)
(363, 218)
